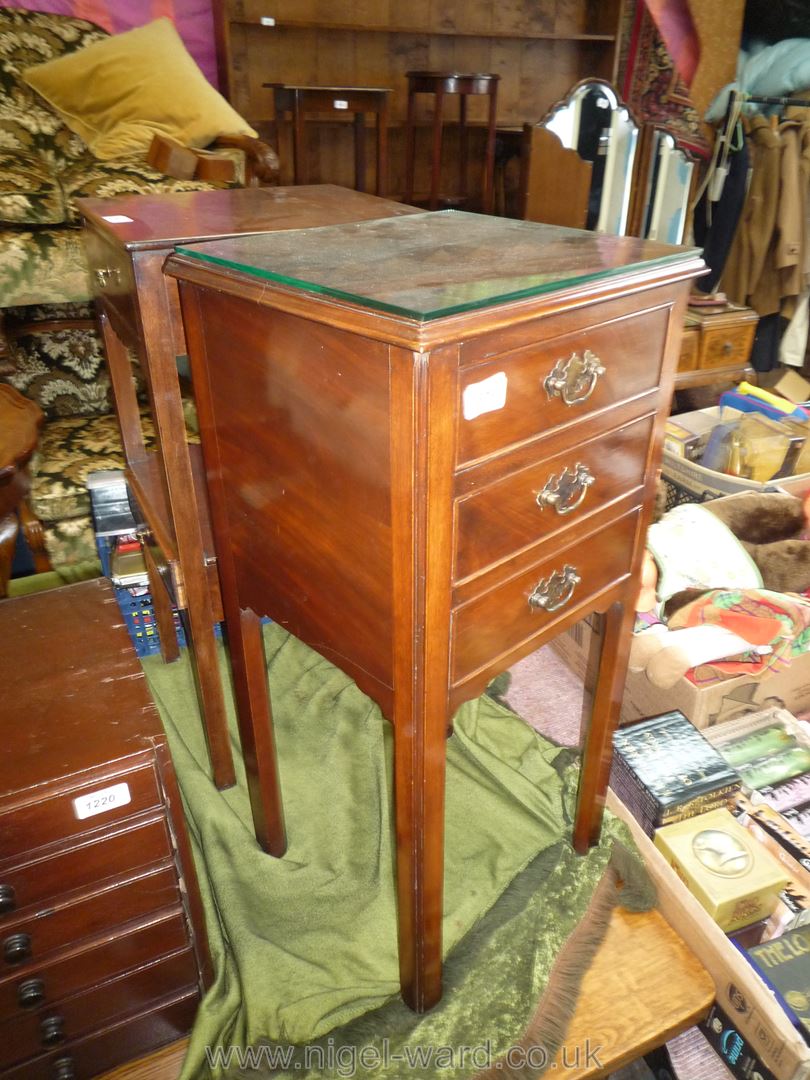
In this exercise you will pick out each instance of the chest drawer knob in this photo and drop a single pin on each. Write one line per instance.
(30, 993)
(64, 1069)
(565, 492)
(52, 1030)
(8, 899)
(16, 948)
(555, 591)
(574, 380)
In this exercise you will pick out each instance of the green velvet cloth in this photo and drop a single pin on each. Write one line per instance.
(305, 947)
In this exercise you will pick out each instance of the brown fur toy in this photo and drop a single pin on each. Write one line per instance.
(771, 527)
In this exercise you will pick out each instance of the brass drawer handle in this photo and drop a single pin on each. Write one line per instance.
(107, 276)
(574, 380)
(566, 491)
(554, 592)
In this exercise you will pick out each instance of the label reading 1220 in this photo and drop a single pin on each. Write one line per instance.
(99, 802)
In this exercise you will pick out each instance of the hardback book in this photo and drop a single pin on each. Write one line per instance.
(665, 770)
(784, 964)
(769, 749)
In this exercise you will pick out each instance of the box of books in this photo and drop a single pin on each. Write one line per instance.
(748, 1013)
(664, 770)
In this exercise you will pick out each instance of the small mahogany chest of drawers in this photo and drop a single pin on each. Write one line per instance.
(102, 947)
(430, 446)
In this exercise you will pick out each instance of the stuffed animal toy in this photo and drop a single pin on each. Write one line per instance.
(754, 540)
(770, 528)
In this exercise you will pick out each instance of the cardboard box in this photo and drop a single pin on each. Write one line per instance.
(740, 992)
(706, 705)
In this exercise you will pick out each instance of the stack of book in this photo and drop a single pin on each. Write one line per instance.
(664, 771)
(768, 749)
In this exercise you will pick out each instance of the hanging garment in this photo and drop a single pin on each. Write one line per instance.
(755, 230)
(715, 221)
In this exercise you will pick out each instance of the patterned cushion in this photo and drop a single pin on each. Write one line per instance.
(87, 177)
(68, 451)
(71, 542)
(63, 371)
(43, 266)
(27, 122)
(29, 193)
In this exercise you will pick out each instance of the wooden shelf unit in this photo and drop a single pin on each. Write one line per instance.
(538, 47)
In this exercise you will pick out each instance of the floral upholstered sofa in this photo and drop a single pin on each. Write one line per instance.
(49, 347)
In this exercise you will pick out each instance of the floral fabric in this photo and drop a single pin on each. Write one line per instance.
(69, 450)
(44, 167)
(63, 371)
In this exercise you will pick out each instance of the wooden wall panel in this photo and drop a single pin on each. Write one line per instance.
(540, 48)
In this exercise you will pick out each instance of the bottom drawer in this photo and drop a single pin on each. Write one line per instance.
(34, 1031)
(489, 627)
(125, 1041)
(72, 970)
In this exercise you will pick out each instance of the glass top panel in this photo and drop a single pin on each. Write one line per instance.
(430, 265)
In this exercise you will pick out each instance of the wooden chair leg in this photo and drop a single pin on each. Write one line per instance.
(34, 535)
(436, 153)
(9, 528)
(410, 148)
(162, 607)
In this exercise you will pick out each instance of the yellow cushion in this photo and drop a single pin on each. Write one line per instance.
(118, 93)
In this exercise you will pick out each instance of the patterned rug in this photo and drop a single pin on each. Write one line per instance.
(649, 83)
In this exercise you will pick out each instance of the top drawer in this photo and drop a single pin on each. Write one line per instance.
(65, 811)
(530, 390)
(113, 283)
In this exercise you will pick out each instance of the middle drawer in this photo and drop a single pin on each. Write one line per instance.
(526, 507)
(495, 625)
(67, 922)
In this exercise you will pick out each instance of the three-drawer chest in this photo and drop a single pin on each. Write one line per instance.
(103, 953)
(430, 445)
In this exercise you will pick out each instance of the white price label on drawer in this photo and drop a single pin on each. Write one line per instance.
(485, 396)
(339, 103)
(99, 802)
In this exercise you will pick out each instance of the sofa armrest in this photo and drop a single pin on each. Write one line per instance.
(261, 160)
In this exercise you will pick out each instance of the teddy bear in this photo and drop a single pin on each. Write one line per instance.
(754, 540)
(772, 528)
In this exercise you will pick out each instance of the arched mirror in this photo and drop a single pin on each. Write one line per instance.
(663, 187)
(578, 162)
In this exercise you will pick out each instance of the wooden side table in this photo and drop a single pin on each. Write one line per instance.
(439, 83)
(20, 423)
(467, 416)
(301, 102)
(128, 239)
